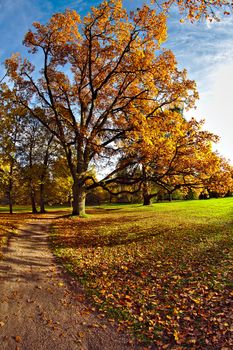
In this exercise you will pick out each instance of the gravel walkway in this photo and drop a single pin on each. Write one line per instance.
(38, 308)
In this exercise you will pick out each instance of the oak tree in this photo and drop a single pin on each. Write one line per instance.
(100, 78)
(171, 153)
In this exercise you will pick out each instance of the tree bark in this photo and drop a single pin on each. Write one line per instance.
(42, 202)
(79, 199)
(10, 199)
(110, 198)
(145, 192)
(145, 188)
(33, 202)
(146, 200)
(43, 176)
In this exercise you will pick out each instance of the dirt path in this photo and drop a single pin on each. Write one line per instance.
(38, 309)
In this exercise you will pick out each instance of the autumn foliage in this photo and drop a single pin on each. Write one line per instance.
(195, 10)
(164, 273)
(104, 85)
(100, 79)
(103, 110)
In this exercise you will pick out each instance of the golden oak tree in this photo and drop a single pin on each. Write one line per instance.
(220, 181)
(172, 153)
(100, 78)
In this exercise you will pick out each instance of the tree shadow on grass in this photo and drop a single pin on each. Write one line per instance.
(199, 244)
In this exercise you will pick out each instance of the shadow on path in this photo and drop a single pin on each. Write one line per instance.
(38, 308)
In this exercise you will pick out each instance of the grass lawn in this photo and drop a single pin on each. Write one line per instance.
(28, 208)
(164, 272)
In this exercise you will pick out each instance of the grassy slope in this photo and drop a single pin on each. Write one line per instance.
(165, 272)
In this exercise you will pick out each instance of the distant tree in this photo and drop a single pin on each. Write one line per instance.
(36, 150)
(220, 182)
(10, 130)
(59, 185)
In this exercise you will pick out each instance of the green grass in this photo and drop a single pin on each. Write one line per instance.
(16, 208)
(27, 208)
(163, 271)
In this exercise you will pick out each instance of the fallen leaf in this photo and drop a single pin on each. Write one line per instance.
(18, 339)
(176, 335)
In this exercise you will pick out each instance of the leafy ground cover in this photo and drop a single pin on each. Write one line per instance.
(163, 272)
(10, 222)
(6, 227)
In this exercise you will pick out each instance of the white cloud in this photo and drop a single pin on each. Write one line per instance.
(206, 50)
(216, 106)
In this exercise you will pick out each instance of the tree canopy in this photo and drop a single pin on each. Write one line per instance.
(195, 10)
(100, 80)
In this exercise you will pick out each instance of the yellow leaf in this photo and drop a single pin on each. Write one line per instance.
(197, 301)
(176, 335)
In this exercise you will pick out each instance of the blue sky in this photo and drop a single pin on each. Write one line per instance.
(205, 49)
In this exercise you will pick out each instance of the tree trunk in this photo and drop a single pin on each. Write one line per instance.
(170, 197)
(43, 176)
(146, 200)
(145, 192)
(42, 204)
(110, 198)
(79, 199)
(10, 199)
(33, 202)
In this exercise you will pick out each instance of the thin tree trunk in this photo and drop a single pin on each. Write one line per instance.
(10, 199)
(145, 188)
(43, 176)
(33, 202)
(42, 202)
(170, 197)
